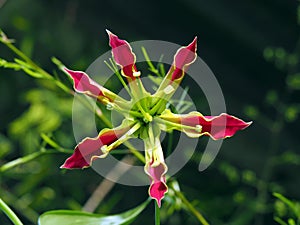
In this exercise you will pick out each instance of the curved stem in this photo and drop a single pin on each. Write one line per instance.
(30, 157)
(192, 209)
(11, 215)
(114, 68)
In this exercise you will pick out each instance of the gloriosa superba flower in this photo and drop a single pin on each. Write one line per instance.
(145, 114)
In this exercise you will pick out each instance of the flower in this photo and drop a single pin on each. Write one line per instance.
(146, 115)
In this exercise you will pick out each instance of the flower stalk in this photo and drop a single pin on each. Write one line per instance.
(11, 215)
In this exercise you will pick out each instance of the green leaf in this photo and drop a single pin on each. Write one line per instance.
(69, 217)
(285, 200)
(293, 81)
(294, 206)
(291, 222)
(280, 221)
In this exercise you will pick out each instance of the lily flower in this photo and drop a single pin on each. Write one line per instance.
(147, 117)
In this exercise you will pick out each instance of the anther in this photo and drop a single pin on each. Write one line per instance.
(198, 128)
(169, 89)
(137, 73)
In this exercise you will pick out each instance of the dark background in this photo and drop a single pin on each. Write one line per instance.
(249, 45)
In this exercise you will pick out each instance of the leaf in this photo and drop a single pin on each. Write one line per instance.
(294, 206)
(280, 221)
(291, 222)
(70, 217)
(285, 200)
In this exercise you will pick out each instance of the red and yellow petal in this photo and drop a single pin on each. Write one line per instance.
(158, 186)
(91, 148)
(84, 84)
(155, 168)
(195, 124)
(123, 55)
(183, 58)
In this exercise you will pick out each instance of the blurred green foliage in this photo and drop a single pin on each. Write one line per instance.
(287, 212)
(252, 47)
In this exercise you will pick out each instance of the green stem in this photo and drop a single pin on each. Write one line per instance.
(161, 103)
(170, 144)
(157, 214)
(192, 209)
(11, 215)
(181, 100)
(27, 59)
(135, 152)
(35, 66)
(113, 67)
(150, 64)
(29, 157)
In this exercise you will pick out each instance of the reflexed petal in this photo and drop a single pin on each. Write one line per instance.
(91, 148)
(183, 58)
(84, 84)
(123, 55)
(158, 186)
(156, 169)
(195, 124)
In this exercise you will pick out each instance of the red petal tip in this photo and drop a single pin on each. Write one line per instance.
(108, 31)
(184, 56)
(193, 45)
(114, 40)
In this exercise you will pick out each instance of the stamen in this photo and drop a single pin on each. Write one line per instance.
(104, 149)
(109, 106)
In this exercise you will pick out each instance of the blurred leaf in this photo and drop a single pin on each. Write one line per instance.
(240, 197)
(280, 53)
(280, 208)
(249, 177)
(69, 217)
(21, 23)
(27, 46)
(268, 53)
(291, 113)
(291, 222)
(280, 221)
(293, 81)
(5, 146)
(289, 158)
(285, 200)
(230, 172)
(173, 203)
(293, 59)
(43, 116)
(298, 15)
(293, 206)
(251, 111)
(271, 97)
